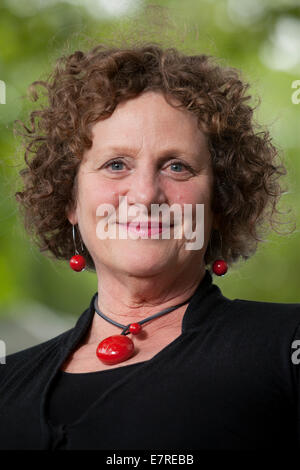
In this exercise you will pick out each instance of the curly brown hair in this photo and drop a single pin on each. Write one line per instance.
(86, 87)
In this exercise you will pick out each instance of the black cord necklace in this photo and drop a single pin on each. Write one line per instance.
(119, 348)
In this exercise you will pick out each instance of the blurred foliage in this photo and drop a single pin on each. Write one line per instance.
(246, 34)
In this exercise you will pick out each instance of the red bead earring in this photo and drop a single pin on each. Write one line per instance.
(220, 267)
(77, 262)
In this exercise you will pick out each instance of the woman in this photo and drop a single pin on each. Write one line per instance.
(150, 126)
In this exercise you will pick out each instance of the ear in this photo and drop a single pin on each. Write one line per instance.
(71, 214)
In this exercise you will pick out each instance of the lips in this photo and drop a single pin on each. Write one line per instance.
(146, 225)
(145, 228)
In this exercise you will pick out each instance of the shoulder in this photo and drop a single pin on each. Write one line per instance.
(38, 358)
(32, 357)
(261, 322)
(247, 314)
(266, 312)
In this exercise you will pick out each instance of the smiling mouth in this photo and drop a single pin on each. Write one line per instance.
(145, 227)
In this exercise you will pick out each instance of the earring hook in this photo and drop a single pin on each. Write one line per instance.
(74, 241)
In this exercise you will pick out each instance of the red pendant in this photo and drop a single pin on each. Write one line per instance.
(115, 349)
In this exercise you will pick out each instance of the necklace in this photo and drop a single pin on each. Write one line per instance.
(119, 348)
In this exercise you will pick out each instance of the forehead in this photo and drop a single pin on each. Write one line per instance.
(149, 120)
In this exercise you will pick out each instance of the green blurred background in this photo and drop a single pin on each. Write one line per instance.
(40, 297)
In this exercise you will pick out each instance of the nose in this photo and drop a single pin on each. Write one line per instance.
(145, 187)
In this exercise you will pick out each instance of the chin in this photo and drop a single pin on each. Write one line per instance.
(142, 261)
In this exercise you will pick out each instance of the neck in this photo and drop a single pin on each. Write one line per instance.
(126, 299)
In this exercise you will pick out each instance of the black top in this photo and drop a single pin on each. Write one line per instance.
(73, 394)
(227, 382)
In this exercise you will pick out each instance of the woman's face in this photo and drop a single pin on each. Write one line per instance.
(140, 152)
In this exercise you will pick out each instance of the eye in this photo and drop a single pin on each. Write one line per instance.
(179, 165)
(116, 164)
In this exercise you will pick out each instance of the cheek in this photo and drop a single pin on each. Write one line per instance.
(192, 194)
(196, 194)
(93, 193)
